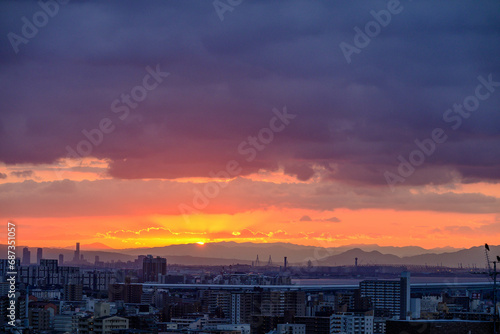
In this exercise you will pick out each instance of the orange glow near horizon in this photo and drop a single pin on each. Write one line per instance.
(382, 227)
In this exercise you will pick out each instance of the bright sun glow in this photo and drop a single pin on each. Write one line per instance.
(200, 243)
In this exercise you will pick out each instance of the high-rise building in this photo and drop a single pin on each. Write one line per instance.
(405, 299)
(39, 255)
(152, 267)
(61, 259)
(243, 306)
(26, 256)
(389, 298)
(385, 296)
(76, 257)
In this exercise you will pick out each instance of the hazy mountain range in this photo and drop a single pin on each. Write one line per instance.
(226, 253)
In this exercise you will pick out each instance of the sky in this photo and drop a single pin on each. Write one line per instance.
(150, 123)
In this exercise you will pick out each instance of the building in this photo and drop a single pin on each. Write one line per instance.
(282, 302)
(73, 292)
(242, 328)
(263, 324)
(102, 325)
(26, 257)
(64, 323)
(76, 257)
(97, 280)
(20, 308)
(317, 325)
(101, 309)
(242, 307)
(129, 293)
(4, 266)
(405, 307)
(439, 326)
(61, 259)
(415, 308)
(52, 265)
(389, 298)
(353, 323)
(39, 255)
(41, 315)
(291, 329)
(153, 267)
(217, 302)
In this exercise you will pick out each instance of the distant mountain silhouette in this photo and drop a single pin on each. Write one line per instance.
(226, 253)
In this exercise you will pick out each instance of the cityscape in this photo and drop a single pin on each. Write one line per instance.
(249, 167)
(149, 295)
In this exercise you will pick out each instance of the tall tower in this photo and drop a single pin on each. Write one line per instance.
(61, 259)
(26, 256)
(257, 262)
(76, 258)
(404, 298)
(39, 255)
(270, 261)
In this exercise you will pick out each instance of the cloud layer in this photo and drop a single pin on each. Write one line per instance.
(226, 77)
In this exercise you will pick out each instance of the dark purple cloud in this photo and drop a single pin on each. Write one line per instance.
(226, 77)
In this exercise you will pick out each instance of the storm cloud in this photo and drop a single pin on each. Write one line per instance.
(353, 120)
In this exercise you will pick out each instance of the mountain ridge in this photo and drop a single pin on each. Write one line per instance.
(218, 254)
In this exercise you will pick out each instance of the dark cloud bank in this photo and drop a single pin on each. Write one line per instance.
(353, 120)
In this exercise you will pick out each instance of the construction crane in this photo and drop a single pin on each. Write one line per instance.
(494, 274)
(486, 252)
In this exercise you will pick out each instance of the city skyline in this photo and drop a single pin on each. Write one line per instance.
(306, 123)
